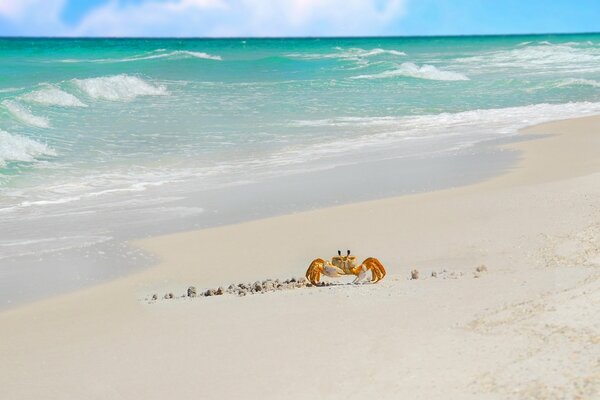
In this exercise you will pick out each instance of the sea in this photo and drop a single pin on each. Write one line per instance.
(107, 140)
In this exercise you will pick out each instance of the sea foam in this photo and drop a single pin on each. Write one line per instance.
(20, 148)
(539, 56)
(53, 96)
(156, 54)
(461, 129)
(174, 54)
(23, 114)
(412, 70)
(357, 52)
(578, 82)
(118, 88)
(353, 53)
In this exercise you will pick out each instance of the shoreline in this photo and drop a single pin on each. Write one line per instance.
(505, 334)
(531, 135)
(36, 276)
(549, 138)
(42, 259)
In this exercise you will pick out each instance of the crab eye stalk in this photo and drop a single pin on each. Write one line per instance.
(348, 252)
(339, 252)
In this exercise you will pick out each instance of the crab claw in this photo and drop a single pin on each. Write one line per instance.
(377, 269)
(320, 266)
(314, 271)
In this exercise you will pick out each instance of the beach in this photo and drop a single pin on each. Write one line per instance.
(524, 327)
(108, 141)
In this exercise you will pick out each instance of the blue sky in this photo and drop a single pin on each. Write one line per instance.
(294, 17)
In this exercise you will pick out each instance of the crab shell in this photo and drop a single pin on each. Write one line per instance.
(345, 263)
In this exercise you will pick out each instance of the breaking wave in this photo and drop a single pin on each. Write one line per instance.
(539, 56)
(578, 82)
(175, 54)
(468, 127)
(160, 53)
(53, 96)
(118, 88)
(420, 72)
(20, 148)
(352, 53)
(23, 114)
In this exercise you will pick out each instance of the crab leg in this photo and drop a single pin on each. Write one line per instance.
(376, 268)
(361, 274)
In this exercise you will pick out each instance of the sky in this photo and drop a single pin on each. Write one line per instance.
(247, 18)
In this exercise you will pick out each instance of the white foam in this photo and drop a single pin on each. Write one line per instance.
(455, 130)
(20, 148)
(10, 89)
(522, 116)
(24, 115)
(376, 52)
(53, 96)
(541, 56)
(354, 53)
(420, 72)
(118, 88)
(160, 53)
(578, 82)
(175, 54)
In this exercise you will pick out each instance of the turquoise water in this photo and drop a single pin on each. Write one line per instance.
(79, 117)
(94, 129)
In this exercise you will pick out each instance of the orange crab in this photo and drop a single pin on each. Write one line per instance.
(345, 265)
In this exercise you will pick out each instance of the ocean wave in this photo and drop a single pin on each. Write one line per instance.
(539, 56)
(517, 116)
(23, 114)
(20, 148)
(586, 43)
(354, 53)
(10, 89)
(373, 52)
(176, 54)
(420, 72)
(118, 87)
(466, 128)
(53, 96)
(578, 82)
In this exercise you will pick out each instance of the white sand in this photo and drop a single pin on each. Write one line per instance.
(529, 328)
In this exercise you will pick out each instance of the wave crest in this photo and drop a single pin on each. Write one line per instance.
(578, 82)
(412, 70)
(539, 56)
(176, 54)
(354, 53)
(465, 127)
(53, 96)
(23, 114)
(118, 87)
(160, 53)
(20, 148)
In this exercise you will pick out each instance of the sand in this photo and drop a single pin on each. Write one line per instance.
(526, 326)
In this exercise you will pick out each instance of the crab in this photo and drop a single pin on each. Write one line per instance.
(345, 265)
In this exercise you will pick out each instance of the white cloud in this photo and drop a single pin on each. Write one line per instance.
(33, 17)
(210, 17)
(20, 9)
(319, 17)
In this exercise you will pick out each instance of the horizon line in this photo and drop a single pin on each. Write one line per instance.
(299, 37)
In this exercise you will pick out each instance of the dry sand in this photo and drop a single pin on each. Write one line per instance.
(527, 328)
